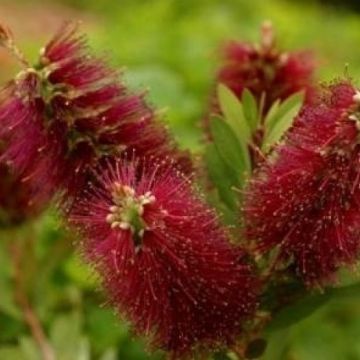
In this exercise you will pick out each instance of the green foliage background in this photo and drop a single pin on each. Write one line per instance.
(170, 48)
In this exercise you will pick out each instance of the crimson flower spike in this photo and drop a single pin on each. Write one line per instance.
(71, 111)
(19, 201)
(163, 257)
(263, 69)
(306, 199)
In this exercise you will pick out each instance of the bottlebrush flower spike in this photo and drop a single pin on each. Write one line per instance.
(263, 69)
(163, 257)
(78, 113)
(306, 199)
(19, 200)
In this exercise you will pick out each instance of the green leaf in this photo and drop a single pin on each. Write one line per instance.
(229, 148)
(294, 313)
(221, 176)
(277, 345)
(302, 309)
(233, 112)
(344, 292)
(282, 119)
(320, 339)
(250, 109)
(273, 111)
(279, 109)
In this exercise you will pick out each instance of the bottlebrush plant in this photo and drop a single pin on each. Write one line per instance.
(198, 270)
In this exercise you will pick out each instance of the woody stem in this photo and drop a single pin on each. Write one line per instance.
(29, 314)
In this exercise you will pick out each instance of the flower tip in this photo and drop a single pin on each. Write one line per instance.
(5, 34)
(267, 35)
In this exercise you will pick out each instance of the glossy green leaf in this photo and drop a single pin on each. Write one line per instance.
(282, 119)
(250, 109)
(344, 292)
(280, 109)
(221, 176)
(233, 112)
(294, 313)
(277, 345)
(324, 343)
(229, 148)
(273, 111)
(302, 309)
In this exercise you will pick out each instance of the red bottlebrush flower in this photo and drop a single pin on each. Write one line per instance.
(263, 69)
(306, 199)
(163, 257)
(78, 113)
(19, 200)
(21, 130)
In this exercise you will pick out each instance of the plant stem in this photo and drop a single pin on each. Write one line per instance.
(21, 298)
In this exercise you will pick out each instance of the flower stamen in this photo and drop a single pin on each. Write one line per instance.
(127, 210)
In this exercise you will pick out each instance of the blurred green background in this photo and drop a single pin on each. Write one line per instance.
(168, 47)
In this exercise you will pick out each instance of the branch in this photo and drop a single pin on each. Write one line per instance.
(21, 298)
